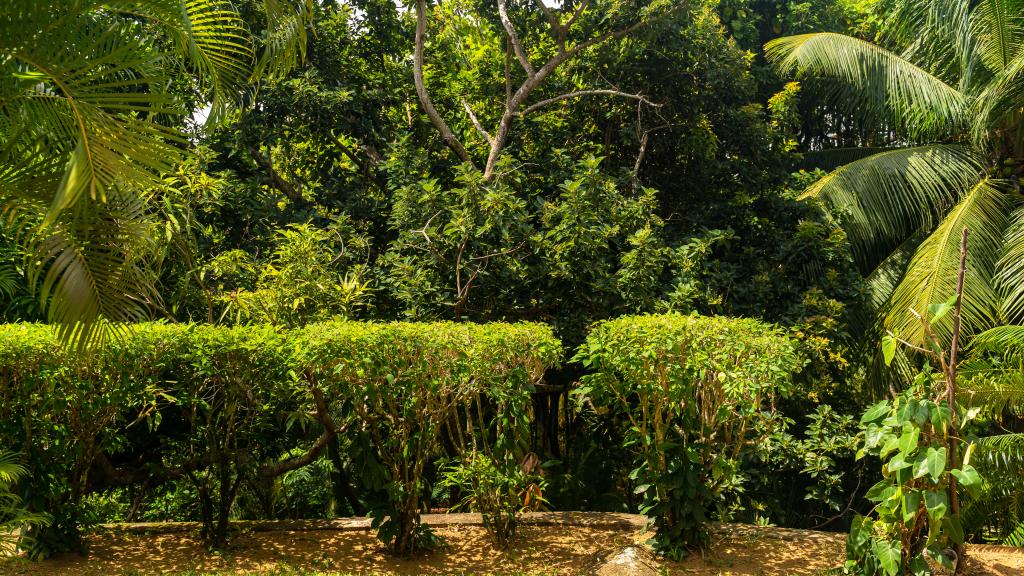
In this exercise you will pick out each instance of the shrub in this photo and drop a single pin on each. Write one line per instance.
(499, 490)
(228, 410)
(57, 408)
(693, 389)
(406, 384)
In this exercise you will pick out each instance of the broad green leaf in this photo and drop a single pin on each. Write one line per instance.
(936, 460)
(876, 412)
(889, 554)
(888, 348)
(969, 478)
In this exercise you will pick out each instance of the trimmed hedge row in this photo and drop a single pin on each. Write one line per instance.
(221, 406)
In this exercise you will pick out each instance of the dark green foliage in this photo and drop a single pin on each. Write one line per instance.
(697, 392)
(16, 523)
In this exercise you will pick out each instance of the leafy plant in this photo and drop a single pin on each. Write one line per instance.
(16, 524)
(913, 520)
(412, 386)
(86, 131)
(499, 491)
(693, 389)
(940, 92)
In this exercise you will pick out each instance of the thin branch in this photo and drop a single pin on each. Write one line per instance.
(476, 123)
(554, 21)
(575, 16)
(614, 34)
(514, 39)
(421, 89)
(349, 153)
(331, 430)
(579, 93)
(641, 152)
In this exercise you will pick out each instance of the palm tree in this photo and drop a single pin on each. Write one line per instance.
(947, 93)
(91, 101)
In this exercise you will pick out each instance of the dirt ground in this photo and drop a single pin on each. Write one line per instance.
(540, 550)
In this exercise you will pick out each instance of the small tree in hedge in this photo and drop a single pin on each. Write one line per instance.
(405, 382)
(916, 517)
(692, 388)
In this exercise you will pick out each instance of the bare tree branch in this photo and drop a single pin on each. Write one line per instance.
(579, 93)
(641, 152)
(514, 39)
(421, 89)
(323, 415)
(554, 21)
(476, 123)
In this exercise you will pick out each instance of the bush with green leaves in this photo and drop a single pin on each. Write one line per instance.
(58, 408)
(694, 390)
(499, 490)
(224, 411)
(914, 520)
(415, 388)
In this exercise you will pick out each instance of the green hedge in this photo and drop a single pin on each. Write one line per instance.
(694, 390)
(221, 406)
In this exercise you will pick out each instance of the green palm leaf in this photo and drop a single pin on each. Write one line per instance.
(937, 33)
(885, 198)
(993, 374)
(932, 273)
(999, 27)
(999, 509)
(1001, 102)
(1010, 270)
(884, 87)
(82, 131)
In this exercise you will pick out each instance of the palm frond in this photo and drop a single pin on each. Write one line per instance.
(998, 512)
(1010, 270)
(1001, 101)
(993, 373)
(883, 280)
(882, 86)
(885, 198)
(999, 27)
(932, 273)
(83, 98)
(11, 468)
(92, 268)
(209, 36)
(1001, 339)
(936, 34)
(284, 42)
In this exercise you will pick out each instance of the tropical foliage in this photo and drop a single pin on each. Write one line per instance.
(85, 132)
(369, 233)
(938, 104)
